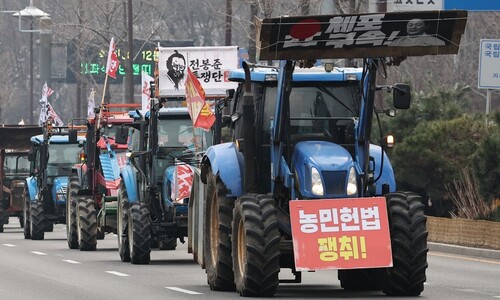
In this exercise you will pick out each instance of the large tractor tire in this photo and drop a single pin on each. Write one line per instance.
(139, 234)
(408, 229)
(37, 220)
(217, 235)
(255, 246)
(26, 217)
(86, 224)
(122, 221)
(71, 211)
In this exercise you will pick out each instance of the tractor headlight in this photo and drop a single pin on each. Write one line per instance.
(316, 182)
(352, 184)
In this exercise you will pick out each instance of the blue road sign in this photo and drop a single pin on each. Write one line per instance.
(473, 5)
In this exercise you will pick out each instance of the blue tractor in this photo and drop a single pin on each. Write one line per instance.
(301, 163)
(152, 200)
(52, 156)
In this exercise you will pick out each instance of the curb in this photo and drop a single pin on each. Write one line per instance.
(462, 250)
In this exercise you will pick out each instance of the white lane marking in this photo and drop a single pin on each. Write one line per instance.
(38, 253)
(117, 273)
(9, 245)
(496, 297)
(173, 288)
(69, 261)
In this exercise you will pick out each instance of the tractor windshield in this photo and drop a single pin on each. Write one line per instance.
(16, 164)
(175, 133)
(322, 109)
(61, 158)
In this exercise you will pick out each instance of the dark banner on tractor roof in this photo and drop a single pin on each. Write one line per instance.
(362, 35)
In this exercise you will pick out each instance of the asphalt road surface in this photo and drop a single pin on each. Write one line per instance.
(49, 270)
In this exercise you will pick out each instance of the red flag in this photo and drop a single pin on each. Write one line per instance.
(113, 62)
(199, 110)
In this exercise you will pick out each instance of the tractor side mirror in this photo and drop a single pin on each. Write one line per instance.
(401, 95)
(31, 155)
(73, 136)
(121, 135)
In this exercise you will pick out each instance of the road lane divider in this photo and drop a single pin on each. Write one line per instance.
(117, 273)
(173, 288)
(9, 245)
(38, 253)
(69, 261)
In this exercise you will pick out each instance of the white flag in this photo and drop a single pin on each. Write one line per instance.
(91, 104)
(146, 91)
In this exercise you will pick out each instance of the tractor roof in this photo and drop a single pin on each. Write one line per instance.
(169, 111)
(55, 139)
(300, 75)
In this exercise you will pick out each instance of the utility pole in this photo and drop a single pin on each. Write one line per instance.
(129, 74)
(229, 20)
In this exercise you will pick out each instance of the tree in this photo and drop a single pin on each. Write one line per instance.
(436, 152)
(487, 163)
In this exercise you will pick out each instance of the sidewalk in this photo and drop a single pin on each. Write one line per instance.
(461, 250)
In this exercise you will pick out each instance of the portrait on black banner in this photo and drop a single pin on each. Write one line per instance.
(418, 35)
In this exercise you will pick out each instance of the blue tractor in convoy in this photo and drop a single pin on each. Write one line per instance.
(155, 184)
(303, 184)
(52, 155)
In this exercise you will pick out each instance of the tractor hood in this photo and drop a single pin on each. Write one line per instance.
(333, 163)
(59, 187)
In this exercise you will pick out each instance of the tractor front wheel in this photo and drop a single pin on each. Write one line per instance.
(37, 220)
(86, 224)
(27, 221)
(122, 221)
(409, 244)
(139, 234)
(255, 246)
(217, 235)
(71, 203)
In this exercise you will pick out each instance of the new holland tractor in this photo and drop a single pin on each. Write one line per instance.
(155, 183)
(93, 184)
(303, 184)
(52, 156)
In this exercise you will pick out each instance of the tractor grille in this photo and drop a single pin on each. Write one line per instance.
(335, 182)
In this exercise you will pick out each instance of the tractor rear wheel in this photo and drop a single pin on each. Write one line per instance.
(408, 229)
(86, 224)
(122, 231)
(255, 246)
(26, 217)
(37, 218)
(139, 234)
(71, 203)
(217, 235)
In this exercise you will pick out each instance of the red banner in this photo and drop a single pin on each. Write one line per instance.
(112, 62)
(340, 233)
(199, 110)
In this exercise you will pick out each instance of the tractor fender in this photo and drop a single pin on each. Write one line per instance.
(227, 161)
(32, 185)
(129, 178)
(387, 176)
(168, 178)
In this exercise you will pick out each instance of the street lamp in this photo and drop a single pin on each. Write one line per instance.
(31, 13)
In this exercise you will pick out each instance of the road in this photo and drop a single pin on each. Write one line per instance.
(49, 270)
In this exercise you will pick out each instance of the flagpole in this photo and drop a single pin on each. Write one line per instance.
(102, 100)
